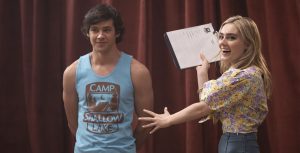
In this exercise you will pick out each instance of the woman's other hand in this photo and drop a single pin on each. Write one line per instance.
(203, 68)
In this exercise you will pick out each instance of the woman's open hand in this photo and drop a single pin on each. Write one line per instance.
(156, 120)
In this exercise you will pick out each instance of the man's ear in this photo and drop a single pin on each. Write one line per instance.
(118, 35)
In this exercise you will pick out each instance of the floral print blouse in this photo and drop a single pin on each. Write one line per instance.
(237, 99)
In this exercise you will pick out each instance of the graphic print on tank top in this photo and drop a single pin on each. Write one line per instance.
(103, 105)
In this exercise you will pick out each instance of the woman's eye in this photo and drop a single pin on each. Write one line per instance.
(230, 37)
(220, 37)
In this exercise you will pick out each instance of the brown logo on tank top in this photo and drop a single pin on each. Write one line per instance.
(102, 114)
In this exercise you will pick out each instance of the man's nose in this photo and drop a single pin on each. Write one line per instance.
(100, 34)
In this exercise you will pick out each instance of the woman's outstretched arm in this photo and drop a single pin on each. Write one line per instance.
(192, 112)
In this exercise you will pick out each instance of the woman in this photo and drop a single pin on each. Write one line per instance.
(238, 98)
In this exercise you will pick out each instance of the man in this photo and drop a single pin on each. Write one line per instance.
(103, 88)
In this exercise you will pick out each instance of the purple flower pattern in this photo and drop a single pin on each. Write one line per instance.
(237, 99)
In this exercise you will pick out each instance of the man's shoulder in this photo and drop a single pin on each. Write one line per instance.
(138, 69)
(71, 69)
(138, 66)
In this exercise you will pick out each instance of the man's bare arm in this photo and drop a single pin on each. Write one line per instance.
(143, 98)
(70, 97)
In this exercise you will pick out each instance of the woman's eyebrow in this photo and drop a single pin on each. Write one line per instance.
(234, 34)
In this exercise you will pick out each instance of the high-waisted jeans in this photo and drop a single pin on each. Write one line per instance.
(238, 143)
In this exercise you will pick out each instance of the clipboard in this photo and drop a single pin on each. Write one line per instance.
(186, 44)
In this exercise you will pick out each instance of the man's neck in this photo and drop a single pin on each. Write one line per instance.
(105, 58)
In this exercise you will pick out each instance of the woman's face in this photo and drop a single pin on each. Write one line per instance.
(231, 44)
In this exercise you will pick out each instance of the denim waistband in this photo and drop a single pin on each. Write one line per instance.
(242, 134)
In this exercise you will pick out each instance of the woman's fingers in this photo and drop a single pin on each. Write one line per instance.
(148, 119)
(155, 120)
(205, 63)
(152, 124)
(166, 111)
(203, 58)
(149, 125)
(149, 112)
(153, 130)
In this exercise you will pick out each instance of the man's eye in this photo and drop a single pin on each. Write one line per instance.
(94, 29)
(107, 30)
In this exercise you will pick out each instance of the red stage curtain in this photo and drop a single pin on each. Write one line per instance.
(39, 39)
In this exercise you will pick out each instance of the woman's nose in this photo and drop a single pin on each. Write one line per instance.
(222, 40)
(222, 43)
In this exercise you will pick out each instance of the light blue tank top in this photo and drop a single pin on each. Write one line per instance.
(105, 108)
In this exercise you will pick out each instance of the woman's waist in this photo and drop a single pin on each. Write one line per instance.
(240, 136)
(240, 128)
(239, 133)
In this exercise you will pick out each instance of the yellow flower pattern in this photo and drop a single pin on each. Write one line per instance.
(237, 99)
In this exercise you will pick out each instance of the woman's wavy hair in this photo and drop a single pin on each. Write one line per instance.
(253, 54)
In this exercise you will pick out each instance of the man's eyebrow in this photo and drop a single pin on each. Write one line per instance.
(93, 26)
(107, 27)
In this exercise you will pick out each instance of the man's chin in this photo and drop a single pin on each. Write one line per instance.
(100, 49)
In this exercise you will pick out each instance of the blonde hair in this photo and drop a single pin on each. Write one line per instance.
(252, 55)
